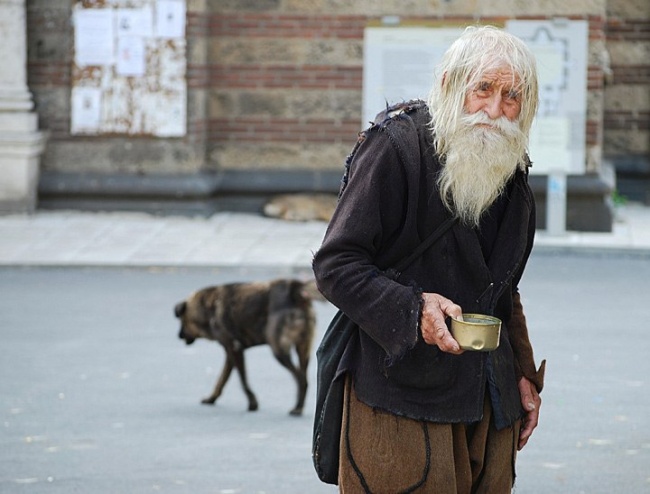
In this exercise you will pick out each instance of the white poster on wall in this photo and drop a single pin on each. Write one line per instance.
(135, 22)
(94, 37)
(170, 18)
(399, 62)
(558, 136)
(86, 110)
(130, 56)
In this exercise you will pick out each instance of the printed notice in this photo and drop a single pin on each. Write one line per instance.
(170, 18)
(94, 37)
(549, 144)
(557, 138)
(86, 110)
(135, 22)
(399, 64)
(130, 56)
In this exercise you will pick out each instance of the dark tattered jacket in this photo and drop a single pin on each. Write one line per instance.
(388, 205)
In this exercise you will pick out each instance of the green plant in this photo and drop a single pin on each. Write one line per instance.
(618, 198)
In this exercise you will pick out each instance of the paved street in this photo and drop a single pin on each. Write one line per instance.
(98, 395)
(588, 317)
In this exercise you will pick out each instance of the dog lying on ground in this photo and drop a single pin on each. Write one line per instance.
(241, 315)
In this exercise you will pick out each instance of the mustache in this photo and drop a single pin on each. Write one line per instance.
(502, 124)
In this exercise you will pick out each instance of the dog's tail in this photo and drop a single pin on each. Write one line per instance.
(310, 290)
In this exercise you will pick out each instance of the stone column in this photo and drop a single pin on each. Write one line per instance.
(21, 144)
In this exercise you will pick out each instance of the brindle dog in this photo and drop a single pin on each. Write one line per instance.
(241, 315)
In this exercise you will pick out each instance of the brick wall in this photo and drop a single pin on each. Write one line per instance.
(277, 84)
(627, 93)
(285, 88)
(286, 77)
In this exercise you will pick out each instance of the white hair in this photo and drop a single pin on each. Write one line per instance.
(477, 51)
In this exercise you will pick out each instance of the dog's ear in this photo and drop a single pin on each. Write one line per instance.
(179, 310)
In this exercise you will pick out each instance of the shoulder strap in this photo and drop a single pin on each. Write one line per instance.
(428, 242)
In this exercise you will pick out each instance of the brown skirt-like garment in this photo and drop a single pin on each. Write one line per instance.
(382, 453)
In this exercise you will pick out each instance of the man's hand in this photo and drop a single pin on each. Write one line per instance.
(531, 402)
(435, 308)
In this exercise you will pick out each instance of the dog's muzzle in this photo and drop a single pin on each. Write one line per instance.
(188, 339)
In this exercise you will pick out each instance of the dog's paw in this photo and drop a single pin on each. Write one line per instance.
(296, 412)
(252, 407)
(208, 401)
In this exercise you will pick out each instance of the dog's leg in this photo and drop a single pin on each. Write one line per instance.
(303, 349)
(292, 328)
(238, 360)
(284, 357)
(221, 382)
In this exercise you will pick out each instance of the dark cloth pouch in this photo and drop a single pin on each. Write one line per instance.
(341, 336)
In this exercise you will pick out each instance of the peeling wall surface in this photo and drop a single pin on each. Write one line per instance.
(128, 72)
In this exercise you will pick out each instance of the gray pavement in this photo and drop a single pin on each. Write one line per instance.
(73, 238)
(99, 395)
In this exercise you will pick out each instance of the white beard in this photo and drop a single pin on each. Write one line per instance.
(478, 164)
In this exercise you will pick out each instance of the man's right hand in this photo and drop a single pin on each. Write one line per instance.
(435, 308)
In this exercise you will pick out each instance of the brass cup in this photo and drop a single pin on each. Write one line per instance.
(477, 332)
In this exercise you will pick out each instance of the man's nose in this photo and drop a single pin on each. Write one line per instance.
(493, 106)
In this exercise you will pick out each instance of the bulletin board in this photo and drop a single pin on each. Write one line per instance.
(129, 67)
(557, 138)
(399, 63)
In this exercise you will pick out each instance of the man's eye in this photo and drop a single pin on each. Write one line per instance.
(513, 95)
(483, 86)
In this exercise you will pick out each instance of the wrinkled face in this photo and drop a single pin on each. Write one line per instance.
(496, 93)
(193, 326)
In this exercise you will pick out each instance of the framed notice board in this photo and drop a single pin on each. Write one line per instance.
(128, 73)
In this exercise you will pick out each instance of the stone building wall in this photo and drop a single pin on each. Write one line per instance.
(275, 90)
(286, 84)
(627, 96)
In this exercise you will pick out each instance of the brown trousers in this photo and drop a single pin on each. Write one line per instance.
(385, 454)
